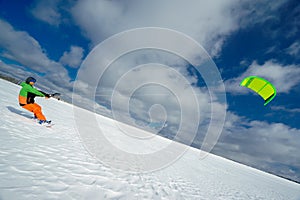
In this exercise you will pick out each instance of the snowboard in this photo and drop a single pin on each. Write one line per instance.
(48, 125)
(24, 115)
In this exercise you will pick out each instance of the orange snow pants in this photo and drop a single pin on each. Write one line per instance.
(36, 109)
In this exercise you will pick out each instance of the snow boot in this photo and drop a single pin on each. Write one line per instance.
(44, 122)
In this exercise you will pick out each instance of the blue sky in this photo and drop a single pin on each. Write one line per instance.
(51, 39)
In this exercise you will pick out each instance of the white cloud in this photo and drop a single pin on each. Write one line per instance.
(294, 49)
(284, 109)
(268, 146)
(284, 78)
(208, 22)
(19, 47)
(101, 19)
(17, 72)
(73, 58)
(47, 11)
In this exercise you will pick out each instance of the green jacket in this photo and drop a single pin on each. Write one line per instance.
(28, 93)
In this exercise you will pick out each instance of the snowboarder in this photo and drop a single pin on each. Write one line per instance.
(26, 99)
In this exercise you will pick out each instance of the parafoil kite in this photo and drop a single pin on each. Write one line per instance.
(261, 86)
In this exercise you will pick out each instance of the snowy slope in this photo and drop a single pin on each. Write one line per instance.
(52, 163)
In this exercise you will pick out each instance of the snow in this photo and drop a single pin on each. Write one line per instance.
(53, 163)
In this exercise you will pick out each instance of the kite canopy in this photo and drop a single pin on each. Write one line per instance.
(261, 86)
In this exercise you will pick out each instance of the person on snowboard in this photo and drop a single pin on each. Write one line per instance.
(26, 99)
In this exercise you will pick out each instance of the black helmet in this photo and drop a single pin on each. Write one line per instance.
(30, 79)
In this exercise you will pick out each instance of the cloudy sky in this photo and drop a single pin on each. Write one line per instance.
(158, 89)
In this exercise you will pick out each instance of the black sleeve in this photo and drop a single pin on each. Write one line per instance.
(46, 95)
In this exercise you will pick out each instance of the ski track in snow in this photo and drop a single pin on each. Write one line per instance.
(52, 163)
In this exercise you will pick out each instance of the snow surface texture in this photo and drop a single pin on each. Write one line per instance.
(52, 163)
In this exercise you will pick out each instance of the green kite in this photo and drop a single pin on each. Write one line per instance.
(261, 86)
